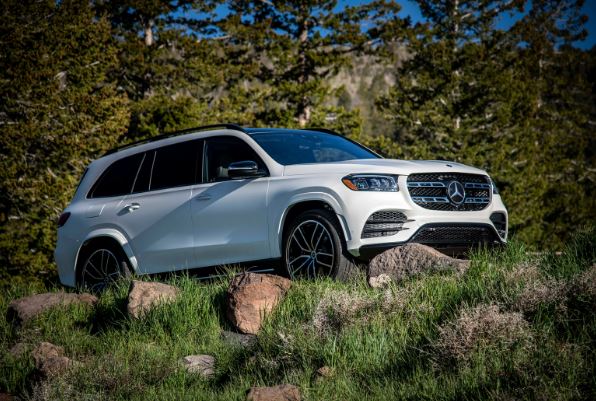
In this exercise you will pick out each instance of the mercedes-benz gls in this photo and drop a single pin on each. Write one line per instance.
(312, 199)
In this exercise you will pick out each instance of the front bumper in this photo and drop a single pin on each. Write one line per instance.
(446, 230)
(452, 239)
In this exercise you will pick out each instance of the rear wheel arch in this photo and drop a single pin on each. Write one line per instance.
(96, 242)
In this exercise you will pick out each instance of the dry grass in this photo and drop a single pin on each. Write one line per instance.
(338, 309)
(540, 291)
(484, 326)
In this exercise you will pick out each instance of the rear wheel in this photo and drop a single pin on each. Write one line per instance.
(102, 264)
(314, 247)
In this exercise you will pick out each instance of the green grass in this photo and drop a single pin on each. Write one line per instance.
(381, 344)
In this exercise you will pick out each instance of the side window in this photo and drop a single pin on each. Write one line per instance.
(142, 181)
(176, 165)
(118, 179)
(223, 150)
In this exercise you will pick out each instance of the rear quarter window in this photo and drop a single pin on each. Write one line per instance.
(118, 179)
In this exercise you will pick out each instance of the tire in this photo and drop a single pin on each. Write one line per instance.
(102, 263)
(314, 246)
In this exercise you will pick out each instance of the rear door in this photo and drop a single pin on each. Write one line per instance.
(157, 214)
(229, 216)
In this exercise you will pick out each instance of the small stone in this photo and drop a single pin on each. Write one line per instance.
(251, 296)
(24, 309)
(203, 365)
(144, 296)
(381, 281)
(17, 350)
(50, 360)
(238, 339)
(325, 372)
(282, 392)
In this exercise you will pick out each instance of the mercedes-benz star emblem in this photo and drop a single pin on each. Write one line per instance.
(456, 192)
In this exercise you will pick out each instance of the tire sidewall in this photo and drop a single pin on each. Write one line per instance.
(108, 245)
(325, 218)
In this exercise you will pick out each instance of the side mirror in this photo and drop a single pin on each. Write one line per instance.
(244, 169)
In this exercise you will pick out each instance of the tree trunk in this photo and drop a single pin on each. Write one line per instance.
(304, 107)
(148, 32)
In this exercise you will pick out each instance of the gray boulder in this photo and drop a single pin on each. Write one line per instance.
(50, 360)
(409, 260)
(203, 365)
(282, 392)
(24, 309)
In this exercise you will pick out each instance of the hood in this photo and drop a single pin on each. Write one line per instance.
(386, 166)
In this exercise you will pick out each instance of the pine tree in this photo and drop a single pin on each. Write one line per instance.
(505, 101)
(169, 71)
(446, 91)
(300, 44)
(58, 111)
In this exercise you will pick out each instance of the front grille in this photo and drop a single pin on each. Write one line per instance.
(429, 190)
(383, 223)
(455, 234)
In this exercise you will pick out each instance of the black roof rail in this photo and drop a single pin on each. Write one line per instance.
(235, 127)
(325, 130)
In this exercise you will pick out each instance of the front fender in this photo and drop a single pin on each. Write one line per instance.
(281, 213)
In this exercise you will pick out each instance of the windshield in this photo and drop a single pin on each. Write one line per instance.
(296, 147)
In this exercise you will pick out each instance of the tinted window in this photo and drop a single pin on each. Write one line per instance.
(175, 165)
(221, 151)
(142, 182)
(297, 147)
(117, 180)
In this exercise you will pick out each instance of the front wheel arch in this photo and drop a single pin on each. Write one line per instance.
(296, 209)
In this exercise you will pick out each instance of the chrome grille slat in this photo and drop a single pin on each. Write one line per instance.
(429, 199)
(432, 184)
(429, 190)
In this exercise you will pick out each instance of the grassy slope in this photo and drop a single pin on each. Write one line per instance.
(432, 337)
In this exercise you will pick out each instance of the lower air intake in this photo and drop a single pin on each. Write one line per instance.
(456, 234)
(384, 223)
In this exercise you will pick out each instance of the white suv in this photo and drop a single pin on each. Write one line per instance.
(311, 199)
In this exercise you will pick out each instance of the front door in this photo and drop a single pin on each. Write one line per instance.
(229, 216)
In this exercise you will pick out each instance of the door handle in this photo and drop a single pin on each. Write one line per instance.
(203, 197)
(132, 207)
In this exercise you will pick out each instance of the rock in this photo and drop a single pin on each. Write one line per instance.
(251, 296)
(143, 296)
(408, 260)
(325, 372)
(283, 392)
(24, 309)
(381, 281)
(18, 350)
(50, 360)
(238, 339)
(203, 365)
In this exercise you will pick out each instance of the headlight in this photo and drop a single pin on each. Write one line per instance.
(495, 189)
(371, 182)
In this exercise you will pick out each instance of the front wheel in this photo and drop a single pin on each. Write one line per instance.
(314, 247)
